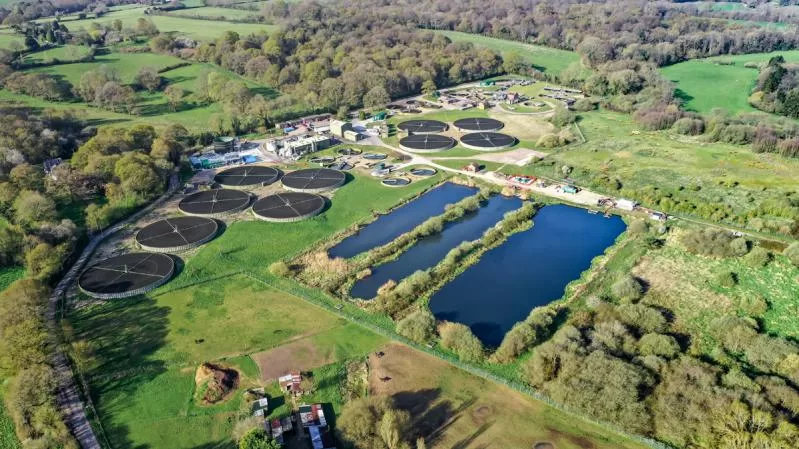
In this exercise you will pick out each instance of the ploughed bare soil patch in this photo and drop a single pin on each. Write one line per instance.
(300, 355)
(215, 383)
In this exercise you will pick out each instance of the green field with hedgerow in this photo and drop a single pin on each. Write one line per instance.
(546, 59)
(719, 82)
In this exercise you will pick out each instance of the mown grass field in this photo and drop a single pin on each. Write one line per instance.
(63, 53)
(704, 84)
(546, 59)
(195, 28)
(7, 37)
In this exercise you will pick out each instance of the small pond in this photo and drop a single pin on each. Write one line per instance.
(428, 251)
(401, 220)
(531, 269)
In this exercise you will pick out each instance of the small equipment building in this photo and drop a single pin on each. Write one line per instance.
(339, 127)
(353, 135)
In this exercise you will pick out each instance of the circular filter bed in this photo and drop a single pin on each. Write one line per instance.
(487, 141)
(243, 177)
(127, 275)
(426, 143)
(323, 160)
(288, 206)
(214, 203)
(374, 156)
(395, 182)
(478, 124)
(349, 152)
(176, 234)
(422, 126)
(423, 172)
(314, 180)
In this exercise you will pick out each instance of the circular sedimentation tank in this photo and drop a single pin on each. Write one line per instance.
(487, 141)
(349, 152)
(127, 275)
(176, 234)
(426, 143)
(314, 180)
(478, 124)
(246, 176)
(215, 202)
(423, 171)
(374, 156)
(395, 182)
(422, 126)
(288, 206)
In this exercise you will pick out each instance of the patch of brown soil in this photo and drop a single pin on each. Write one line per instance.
(220, 382)
(300, 355)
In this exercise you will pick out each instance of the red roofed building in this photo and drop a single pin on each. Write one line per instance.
(291, 383)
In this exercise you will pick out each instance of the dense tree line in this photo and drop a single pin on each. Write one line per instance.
(330, 60)
(659, 32)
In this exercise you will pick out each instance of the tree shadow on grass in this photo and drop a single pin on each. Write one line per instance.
(124, 334)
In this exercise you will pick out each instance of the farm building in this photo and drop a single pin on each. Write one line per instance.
(260, 407)
(291, 383)
(627, 205)
(339, 127)
(312, 415)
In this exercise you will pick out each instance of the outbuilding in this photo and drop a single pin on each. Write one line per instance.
(339, 127)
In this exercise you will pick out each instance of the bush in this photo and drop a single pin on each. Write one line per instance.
(459, 339)
(551, 141)
(562, 117)
(524, 335)
(712, 242)
(726, 279)
(758, 258)
(419, 326)
(280, 269)
(627, 288)
(792, 253)
(638, 227)
(658, 344)
(584, 105)
(689, 126)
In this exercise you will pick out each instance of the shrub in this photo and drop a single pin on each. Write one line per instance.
(562, 117)
(525, 334)
(792, 253)
(584, 105)
(758, 258)
(659, 345)
(726, 279)
(627, 288)
(638, 227)
(280, 269)
(689, 126)
(459, 339)
(551, 141)
(711, 242)
(419, 326)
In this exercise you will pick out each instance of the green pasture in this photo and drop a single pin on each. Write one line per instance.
(214, 11)
(10, 274)
(546, 59)
(704, 84)
(145, 352)
(126, 65)
(63, 53)
(7, 37)
(195, 28)
(719, 173)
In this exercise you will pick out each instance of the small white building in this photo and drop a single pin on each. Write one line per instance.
(624, 204)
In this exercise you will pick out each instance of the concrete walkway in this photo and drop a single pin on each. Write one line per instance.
(68, 395)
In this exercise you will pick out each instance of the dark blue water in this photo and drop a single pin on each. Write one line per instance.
(430, 250)
(529, 270)
(388, 227)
